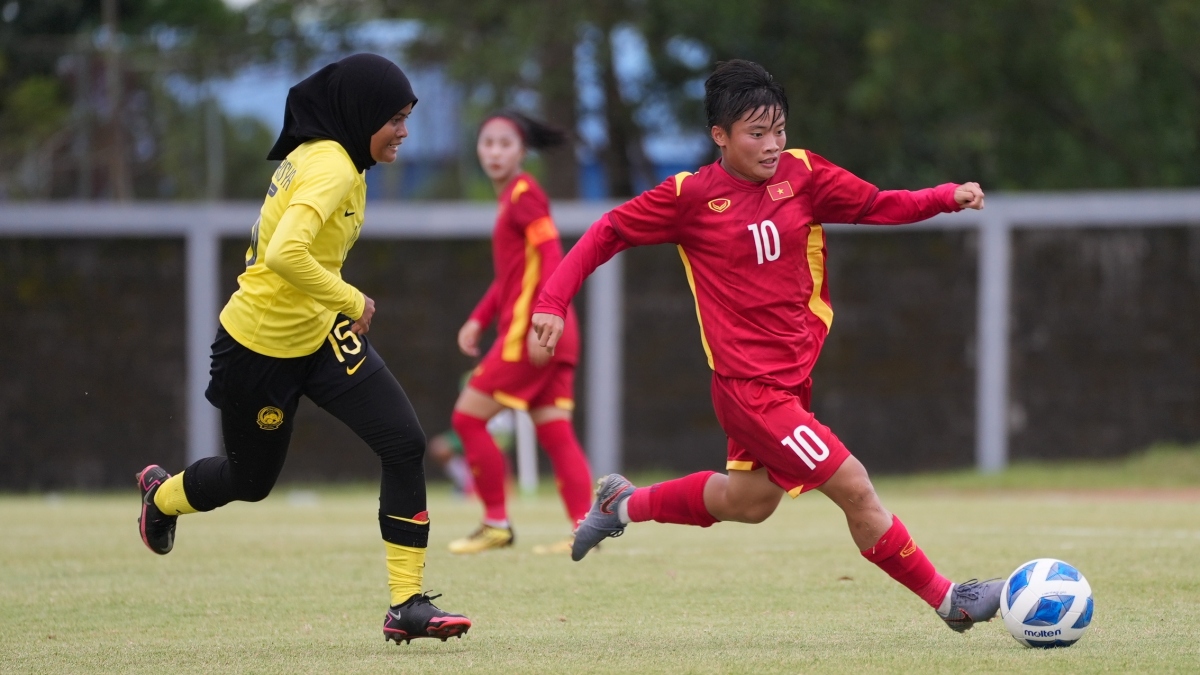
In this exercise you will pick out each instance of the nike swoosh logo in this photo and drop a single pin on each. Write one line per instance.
(394, 615)
(351, 371)
(348, 213)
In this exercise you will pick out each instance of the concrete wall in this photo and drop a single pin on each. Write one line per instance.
(1105, 359)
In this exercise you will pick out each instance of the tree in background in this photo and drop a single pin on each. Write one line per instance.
(111, 98)
(503, 53)
(1021, 94)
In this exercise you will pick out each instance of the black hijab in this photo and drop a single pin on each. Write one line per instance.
(347, 101)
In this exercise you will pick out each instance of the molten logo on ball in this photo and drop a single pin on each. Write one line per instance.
(1046, 603)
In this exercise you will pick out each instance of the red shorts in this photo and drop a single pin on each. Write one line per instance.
(771, 427)
(524, 386)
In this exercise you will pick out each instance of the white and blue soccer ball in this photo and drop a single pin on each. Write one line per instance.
(1046, 603)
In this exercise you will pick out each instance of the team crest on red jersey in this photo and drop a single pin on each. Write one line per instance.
(719, 205)
(780, 191)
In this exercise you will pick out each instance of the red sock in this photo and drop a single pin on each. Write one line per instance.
(897, 554)
(679, 501)
(487, 464)
(571, 470)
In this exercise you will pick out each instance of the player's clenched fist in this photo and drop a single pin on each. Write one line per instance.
(363, 324)
(969, 196)
(468, 337)
(549, 329)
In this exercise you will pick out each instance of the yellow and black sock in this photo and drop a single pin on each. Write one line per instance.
(406, 569)
(171, 499)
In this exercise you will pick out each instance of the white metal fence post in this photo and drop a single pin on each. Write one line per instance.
(527, 459)
(203, 264)
(992, 344)
(605, 359)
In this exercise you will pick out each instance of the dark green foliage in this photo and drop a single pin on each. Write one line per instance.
(1018, 94)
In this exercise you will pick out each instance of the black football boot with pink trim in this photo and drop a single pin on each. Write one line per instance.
(157, 528)
(417, 617)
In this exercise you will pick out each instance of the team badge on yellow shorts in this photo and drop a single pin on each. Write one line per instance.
(270, 418)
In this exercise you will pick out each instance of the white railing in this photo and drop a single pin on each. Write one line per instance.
(203, 225)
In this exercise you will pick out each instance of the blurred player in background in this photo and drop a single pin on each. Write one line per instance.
(295, 328)
(446, 449)
(516, 373)
(748, 231)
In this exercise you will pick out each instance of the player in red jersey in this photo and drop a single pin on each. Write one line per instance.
(748, 231)
(516, 373)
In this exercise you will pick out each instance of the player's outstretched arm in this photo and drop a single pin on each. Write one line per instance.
(649, 218)
(841, 197)
(899, 207)
(597, 246)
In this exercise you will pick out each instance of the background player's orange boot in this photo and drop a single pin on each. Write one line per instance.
(484, 539)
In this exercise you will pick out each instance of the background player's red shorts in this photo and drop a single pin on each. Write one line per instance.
(524, 386)
(771, 427)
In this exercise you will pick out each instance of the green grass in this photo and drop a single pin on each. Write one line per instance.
(1161, 466)
(296, 584)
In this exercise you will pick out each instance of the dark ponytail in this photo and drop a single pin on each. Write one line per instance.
(535, 134)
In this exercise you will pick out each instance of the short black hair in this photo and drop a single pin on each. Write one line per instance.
(737, 87)
(535, 134)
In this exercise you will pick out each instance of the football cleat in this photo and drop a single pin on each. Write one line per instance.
(602, 520)
(972, 602)
(417, 617)
(560, 547)
(483, 539)
(157, 529)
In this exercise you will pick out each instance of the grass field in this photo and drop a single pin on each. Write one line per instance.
(296, 584)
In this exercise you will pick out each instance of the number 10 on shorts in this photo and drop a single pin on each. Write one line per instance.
(802, 442)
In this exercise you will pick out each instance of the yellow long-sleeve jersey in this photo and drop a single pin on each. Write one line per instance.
(292, 287)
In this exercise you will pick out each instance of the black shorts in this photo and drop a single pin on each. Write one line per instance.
(241, 378)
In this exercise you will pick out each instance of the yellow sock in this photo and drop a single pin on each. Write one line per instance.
(406, 568)
(170, 498)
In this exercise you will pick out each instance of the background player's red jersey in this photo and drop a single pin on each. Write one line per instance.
(526, 250)
(754, 254)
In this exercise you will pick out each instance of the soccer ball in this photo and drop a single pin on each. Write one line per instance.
(1046, 603)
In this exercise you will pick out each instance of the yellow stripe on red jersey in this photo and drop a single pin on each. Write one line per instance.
(524, 228)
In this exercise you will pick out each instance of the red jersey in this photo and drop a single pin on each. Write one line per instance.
(526, 250)
(754, 254)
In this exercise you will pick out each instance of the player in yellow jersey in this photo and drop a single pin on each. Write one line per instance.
(295, 328)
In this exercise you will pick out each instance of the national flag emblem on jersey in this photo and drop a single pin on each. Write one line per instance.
(719, 205)
(780, 191)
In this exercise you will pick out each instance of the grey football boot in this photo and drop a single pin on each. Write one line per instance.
(973, 601)
(602, 520)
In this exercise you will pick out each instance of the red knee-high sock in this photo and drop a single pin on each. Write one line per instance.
(679, 501)
(487, 464)
(571, 470)
(897, 554)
